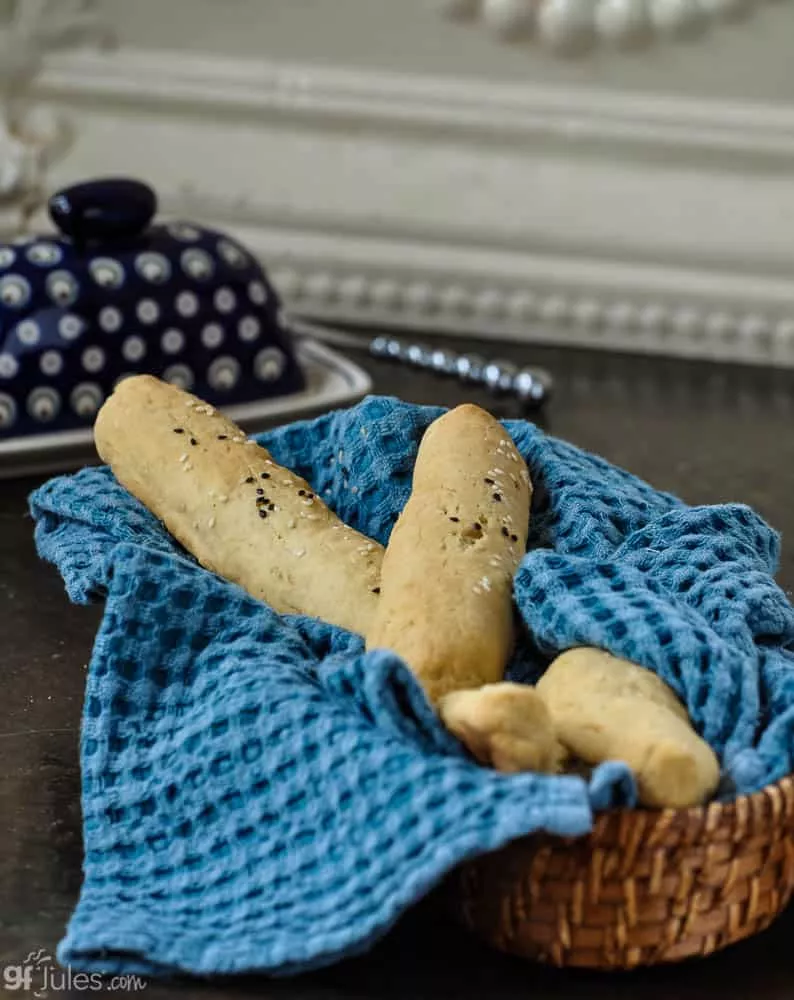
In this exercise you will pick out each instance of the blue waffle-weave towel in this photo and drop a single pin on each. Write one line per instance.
(261, 794)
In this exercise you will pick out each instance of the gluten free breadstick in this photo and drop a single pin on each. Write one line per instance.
(238, 512)
(605, 708)
(446, 589)
(446, 579)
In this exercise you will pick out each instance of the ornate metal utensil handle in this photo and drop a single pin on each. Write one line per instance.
(531, 386)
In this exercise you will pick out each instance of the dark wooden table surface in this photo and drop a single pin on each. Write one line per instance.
(704, 432)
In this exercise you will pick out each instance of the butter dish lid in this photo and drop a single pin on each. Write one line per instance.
(115, 294)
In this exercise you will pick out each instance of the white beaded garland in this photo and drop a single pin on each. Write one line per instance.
(587, 313)
(458, 9)
(522, 307)
(508, 18)
(567, 24)
(676, 17)
(622, 21)
(721, 326)
(754, 327)
(784, 333)
(318, 287)
(419, 297)
(653, 318)
(385, 293)
(353, 290)
(288, 281)
(489, 304)
(622, 316)
(728, 9)
(687, 323)
(454, 299)
(554, 309)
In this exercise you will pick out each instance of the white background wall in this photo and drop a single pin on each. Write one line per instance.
(391, 166)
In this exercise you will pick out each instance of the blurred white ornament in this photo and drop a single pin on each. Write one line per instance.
(32, 136)
(729, 9)
(622, 21)
(17, 166)
(677, 17)
(567, 25)
(458, 9)
(509, 19)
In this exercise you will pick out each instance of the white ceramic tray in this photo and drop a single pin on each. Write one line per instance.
(332, 381)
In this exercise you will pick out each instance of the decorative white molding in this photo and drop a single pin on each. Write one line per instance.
(546, 214)
(575, 27)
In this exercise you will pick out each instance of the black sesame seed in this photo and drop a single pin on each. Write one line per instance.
(477, 526)
(514, 538)
(250, 479)
(505, 532)
(222, 437)
(497, 497)
(263, 513)
(271, 506)
(310, 496)
(193, 441)
(301, 493)
(265, 475)
(376, 590)
(260, 491)
(489, 481)
(179, 430)
(455, 519)
(261, 502)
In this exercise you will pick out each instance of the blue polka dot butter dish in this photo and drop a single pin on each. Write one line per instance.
(113, 293)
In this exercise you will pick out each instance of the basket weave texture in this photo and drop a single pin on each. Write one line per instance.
(645, 887)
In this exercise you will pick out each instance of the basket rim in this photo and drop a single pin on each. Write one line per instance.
(777, 798)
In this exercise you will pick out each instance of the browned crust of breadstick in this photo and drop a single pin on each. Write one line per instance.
(237, 511)
(446, 581)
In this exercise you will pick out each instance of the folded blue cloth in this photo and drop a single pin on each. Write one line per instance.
(261, 794)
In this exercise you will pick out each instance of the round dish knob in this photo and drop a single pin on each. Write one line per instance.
(111, 209)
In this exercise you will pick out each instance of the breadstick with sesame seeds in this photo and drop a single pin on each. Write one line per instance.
(446, 589)
(229, 504)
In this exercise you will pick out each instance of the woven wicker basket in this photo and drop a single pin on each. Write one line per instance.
(644, 887)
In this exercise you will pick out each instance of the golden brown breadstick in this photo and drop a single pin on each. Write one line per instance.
(237, 511)
(605, 708)
(446, 579)
(446, 589)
